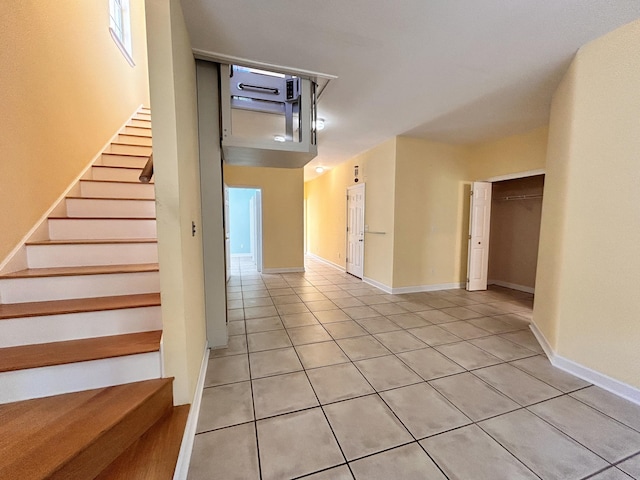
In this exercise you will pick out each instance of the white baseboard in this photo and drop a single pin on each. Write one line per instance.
(427, 288)
(603, 381)
(513, 286)
(325, 261)
(375, 283)
(184, 457)
(283, 270)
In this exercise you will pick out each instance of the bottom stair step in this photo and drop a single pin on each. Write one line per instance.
(154, 455)
(78, 435)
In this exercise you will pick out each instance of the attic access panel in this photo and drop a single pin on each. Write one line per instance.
(268, 118)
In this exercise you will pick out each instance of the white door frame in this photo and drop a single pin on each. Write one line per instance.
(357, 268)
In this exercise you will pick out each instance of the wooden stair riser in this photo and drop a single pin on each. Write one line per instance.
(113, 160)
(41, 289)
(116, 190)
(115, 174)
(73, 326)
(110, 208)
(134, 139)
(139, 123)
(74, 377)
(141, 132)
(90, 254)
(128, 149)
(95, 229)
(143, 114)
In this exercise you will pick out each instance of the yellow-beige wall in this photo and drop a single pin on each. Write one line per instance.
(177, 181)
(282, 212)
(65, 89)
(589, 242)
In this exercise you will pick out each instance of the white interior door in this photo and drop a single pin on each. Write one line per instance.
(479, 223)
(227, 233)
(355, 230)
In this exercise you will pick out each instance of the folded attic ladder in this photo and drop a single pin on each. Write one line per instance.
(85, 318)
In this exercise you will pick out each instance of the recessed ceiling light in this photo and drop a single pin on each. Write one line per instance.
(320, 124)
(319, 169)
(279, 138)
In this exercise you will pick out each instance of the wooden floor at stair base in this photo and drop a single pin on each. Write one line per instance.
(77, 435)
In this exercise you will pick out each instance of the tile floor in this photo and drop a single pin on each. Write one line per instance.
(326, 377)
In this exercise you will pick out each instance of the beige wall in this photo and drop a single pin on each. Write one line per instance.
(282, 211)
(326, 198)
(431, 213)
(65, 88)
(515, 232)
(589, 312)
(175, 128)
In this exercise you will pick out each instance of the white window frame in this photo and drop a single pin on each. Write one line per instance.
(120, 27)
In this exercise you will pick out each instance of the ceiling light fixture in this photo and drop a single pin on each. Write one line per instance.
(320, 124)
(279, 138)
(319, 169)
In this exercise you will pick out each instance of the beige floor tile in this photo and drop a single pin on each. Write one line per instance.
(358, 313)
(409, 461)
(282, 394)
(331, 316)
(268, 340)
(313, 297)
(501, 348)
(596, 431)
(492, 325)
(408, 320)
(622, 410)
(296, 444)
(473, 397)
(337, 473)
(465, 330)
(542, 369)
(631, 466)
(309, 334)
(237, 344)
(338, 382)
(430, 364)
(365, 425)
(439, 303)
(437, 317)
(345, 329)
(377, 324)
(415, 307)
(299, 319)
(544, 449)
(516, 384)
(225, 406)
(469, 453)
(288, 299)
(486, 310)
(434, 335)
(233, 304)
(384, 373)
(225, 370)
(254, 293)
(374, 299)
(231, 453)
(388, 308)
(347, 302)
(461, 313)
(423, 410)
(264, 324)
(337, 294)
(290, 308)
(279, 292)
(321, 354)
(467, 355)
(236, 328)
(524, 338)
(321, 305)
(260, 312)
(611, 474)
(399, 341)
(359, 348)
(257, 302)
(235, 314)
(274, 362)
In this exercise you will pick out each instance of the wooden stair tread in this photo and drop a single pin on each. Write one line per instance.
(119, 167)
(154, 455)
(100, 218)
(126, 154)
(59, 353)
(77, 435)
(112, 198)
(77, 305)
(94, 241)
(124, 144)
(89, 270)
(131, 182)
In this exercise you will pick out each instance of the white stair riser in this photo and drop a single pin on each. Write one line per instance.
(141, 132)
(132, 149)
(41, 289)
(117, 190)
(74, 326)
(81, 207)
(80, 255)
(122, 161)
(139, 123)
(134, 140)
(74, 377)
(115, 174)
(106, 229)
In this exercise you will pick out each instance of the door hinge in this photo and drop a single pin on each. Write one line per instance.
(471, 193)
(469, 237)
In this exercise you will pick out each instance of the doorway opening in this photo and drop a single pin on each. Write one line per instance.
(245, 229)
(355, 231)
(504, 232)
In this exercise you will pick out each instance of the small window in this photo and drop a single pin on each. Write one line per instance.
(120, 27)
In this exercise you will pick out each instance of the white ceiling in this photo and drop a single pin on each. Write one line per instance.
(458, 71)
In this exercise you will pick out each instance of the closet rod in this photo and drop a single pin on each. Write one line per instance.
(519, 197)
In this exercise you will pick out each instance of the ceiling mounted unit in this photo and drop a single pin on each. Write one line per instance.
(268, 118)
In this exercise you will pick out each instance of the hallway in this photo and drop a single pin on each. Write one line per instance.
(326, 377)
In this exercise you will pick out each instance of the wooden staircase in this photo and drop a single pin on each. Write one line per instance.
(81, 393)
